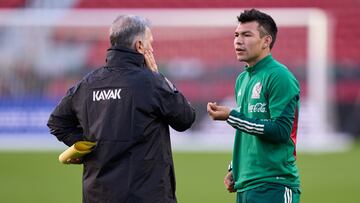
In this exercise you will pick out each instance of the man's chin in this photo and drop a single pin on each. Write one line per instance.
(241, 59)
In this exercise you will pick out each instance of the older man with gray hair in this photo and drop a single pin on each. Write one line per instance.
(126, 107)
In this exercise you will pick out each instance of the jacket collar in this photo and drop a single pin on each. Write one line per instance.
(122, 57)
(260, 64)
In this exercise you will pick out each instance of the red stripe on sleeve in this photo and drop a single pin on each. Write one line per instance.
(293, 134)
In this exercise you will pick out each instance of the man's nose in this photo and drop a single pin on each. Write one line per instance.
(238, 40)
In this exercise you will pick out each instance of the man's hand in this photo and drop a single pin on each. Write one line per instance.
(217, 112)
(150, 60)
(229, 182)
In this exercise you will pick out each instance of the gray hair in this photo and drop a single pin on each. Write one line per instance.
(126, 29)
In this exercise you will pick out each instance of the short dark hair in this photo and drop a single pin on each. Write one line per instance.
(267, 24)
(126, 28)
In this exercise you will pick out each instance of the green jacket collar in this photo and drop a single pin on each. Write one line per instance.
(260, 64)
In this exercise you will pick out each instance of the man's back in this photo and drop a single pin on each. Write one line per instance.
(127, 110)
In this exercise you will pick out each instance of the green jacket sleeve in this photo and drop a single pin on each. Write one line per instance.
(272, 130)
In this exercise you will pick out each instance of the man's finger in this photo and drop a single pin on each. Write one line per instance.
(213, 106)
(208, 107)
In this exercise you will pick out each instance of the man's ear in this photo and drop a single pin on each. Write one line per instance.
(267, 42)
(139, 47)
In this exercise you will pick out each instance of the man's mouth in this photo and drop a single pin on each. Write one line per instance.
(239, 49)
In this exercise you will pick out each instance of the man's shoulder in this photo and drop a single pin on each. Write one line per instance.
(275, 68)
(141, 74)
(277, 65)
(93, 75)
(242, 75)
(240, 78)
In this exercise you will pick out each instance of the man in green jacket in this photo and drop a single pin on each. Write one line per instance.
(263, 169)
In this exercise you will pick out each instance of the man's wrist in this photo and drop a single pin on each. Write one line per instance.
(229, 114)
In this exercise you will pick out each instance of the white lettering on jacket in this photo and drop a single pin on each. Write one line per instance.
(99, 95)
(257, 108)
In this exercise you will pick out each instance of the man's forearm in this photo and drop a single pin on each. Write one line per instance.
(65, 132)
(275, 131)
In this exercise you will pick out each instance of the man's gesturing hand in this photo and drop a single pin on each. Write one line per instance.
(217, 112)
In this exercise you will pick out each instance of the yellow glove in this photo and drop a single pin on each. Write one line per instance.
(74, 154)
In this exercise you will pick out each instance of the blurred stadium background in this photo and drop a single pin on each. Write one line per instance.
(47, 45)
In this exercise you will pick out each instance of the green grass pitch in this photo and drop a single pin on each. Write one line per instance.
(39, 177)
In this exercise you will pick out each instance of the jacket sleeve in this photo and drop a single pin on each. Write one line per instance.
(283, 102)
(172, 105)
(63, 122)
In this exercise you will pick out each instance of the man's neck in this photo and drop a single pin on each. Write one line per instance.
(259, 58)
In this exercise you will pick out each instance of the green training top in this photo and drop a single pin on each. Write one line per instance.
(267, 96)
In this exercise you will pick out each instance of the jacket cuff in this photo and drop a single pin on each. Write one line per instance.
(233, 112)
(72, 139)
(230, 167)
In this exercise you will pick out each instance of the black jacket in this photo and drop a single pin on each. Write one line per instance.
(127, 109)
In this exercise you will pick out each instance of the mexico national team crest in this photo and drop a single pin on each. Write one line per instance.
(256, 91)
